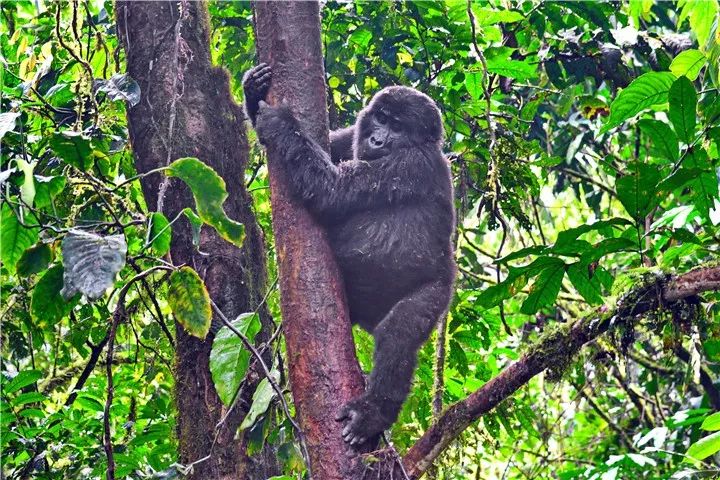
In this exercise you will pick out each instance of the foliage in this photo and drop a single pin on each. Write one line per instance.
(584, 139)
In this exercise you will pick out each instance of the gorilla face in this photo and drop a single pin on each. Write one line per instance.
(396, 118)
(381, 134)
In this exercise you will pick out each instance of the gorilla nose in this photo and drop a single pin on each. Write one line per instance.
(375, 142)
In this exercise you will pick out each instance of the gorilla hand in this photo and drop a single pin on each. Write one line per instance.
(256, 84)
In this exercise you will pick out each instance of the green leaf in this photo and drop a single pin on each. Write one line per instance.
(545, 288)
(189, 301)
(74, 148)
(160, 233)
(229, 359)
(473, 84)
(35, 259)
(664, 142)
(589, 288)
(28, 397)
(195, 225)
(638, 192)
(22, 379)
(702, 15)
(47, 305)
(705, 447)
(47, 188)
(512, 68)
(14, 238)
(645, 91)
(488, 16)
(261, 400)
(209, 192)
(711, 423)
(27, 189)
(683, 102)
(705, 185)
(688, 64)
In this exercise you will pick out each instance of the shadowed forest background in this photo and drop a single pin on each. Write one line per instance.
(141, 329)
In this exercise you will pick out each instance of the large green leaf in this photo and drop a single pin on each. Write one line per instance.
(189, 301)
(22, 379)
(688, 63)
(74, 148)
(160, 233)
(516, 69)
(664, 142)
(638, 191)
(261, 400)
(645, 91)
(711, 423)
(589, 287)
(473, 84)
(35, 259)
(704, 185)
(545, 288)
(683, 102)
(14, 238)
(209, 191)
(47, 305)
(705, 447)
(229, 359)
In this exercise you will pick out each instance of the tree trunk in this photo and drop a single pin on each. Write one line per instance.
(187, 110)
(324, 373)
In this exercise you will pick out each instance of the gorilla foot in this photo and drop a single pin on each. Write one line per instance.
(363, 421)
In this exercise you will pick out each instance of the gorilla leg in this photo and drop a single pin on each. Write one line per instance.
(397, 340)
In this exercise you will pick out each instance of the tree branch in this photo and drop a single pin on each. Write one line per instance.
(555, 346)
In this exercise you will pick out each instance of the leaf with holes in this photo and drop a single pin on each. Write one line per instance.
(209, 191)
(189, 301)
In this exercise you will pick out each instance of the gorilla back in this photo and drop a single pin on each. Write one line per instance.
(389, 216)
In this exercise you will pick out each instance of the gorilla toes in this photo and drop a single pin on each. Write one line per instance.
(363, 422)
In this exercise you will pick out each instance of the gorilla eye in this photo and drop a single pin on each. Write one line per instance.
(381, 118)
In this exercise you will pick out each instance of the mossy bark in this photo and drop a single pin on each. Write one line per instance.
(187, 110)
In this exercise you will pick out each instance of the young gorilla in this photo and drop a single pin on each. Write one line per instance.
(388, 211)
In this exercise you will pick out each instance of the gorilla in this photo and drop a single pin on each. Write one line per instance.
(384, 195)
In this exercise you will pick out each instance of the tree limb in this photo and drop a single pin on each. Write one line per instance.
(551, 349)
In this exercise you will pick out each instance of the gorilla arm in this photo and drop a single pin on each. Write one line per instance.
(330, 190)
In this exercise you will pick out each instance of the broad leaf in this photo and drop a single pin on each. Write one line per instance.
(35, 259)
(545, 288)
(121, 86)
(704, 185)
(47, 305)
(189, 301)
(589, 287)
(712, 422)
(705, 447)
(664, 142)
(638, 191)
(14, 238)
(688, 64)
(91, 262)
(516, 69)
(74, 148)
(7, 122)
(229, 359)
(22, 379)
(209, 192)
(261, 400)
(683, 102)
(160, 233)
(645, 91)
(473, 84)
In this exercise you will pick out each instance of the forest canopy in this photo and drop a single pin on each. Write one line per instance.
(141, 326)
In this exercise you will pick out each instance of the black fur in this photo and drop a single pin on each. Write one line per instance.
(389, 221)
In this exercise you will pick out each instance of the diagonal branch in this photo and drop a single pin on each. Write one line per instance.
(656, 292)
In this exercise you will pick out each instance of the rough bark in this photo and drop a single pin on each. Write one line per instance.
(187, 110)
(553, 349)
(324, 372)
